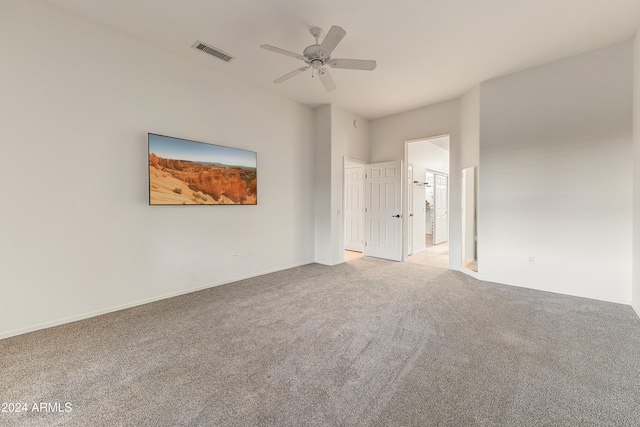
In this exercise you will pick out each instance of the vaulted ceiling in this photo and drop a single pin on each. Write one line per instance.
(426, 50)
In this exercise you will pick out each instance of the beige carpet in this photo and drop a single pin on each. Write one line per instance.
(364, 343)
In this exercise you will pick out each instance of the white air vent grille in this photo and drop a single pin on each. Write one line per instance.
(212, 51)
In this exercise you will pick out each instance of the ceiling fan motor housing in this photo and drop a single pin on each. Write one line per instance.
(316, 57)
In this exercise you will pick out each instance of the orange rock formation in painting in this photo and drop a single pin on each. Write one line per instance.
(184, 182)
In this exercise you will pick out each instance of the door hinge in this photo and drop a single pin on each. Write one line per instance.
(365, 209)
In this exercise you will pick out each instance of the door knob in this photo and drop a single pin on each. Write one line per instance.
(395, 216)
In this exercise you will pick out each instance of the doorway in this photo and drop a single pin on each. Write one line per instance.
(354, 180)
(428, 206)
(372, 205)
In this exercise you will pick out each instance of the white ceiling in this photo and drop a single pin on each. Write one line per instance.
(427, 50)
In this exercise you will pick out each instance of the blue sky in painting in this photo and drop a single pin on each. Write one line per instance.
(182, 149)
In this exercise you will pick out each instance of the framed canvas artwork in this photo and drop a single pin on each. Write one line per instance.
(185, 172)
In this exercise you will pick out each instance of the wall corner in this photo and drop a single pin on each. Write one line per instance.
(635, 281)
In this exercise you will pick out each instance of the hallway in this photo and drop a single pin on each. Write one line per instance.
(433, 255)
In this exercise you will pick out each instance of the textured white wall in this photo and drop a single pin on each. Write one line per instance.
(78, 236)
(556, 176)
(636, 174)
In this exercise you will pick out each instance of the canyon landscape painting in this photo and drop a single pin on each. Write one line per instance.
(184, 172)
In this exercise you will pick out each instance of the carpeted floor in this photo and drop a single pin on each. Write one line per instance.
(365, 343)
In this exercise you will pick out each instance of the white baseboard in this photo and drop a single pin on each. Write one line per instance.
(15, 332)
(556, 291)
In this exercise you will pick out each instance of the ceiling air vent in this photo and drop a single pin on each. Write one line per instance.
(212, 51)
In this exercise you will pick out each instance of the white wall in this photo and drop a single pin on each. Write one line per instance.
(336, 138)
(427, 155)
(469, 155)
(470, 128)
(346, 141)
(388, 134)
(636, 175)
(322, 186)
(78, 236)
(556, 176)
(388, 137)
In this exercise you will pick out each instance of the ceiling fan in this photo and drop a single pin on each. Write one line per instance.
(318, 55)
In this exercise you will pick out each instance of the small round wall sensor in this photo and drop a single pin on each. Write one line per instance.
(356, 124)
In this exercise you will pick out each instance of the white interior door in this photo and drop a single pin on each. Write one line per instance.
(383, 213)
(441, 226)
(354, 208)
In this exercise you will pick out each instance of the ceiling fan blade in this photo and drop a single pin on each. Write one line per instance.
(332, 39)
(291, 74)
(353, 64)
(326, 80)
(282, 51)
